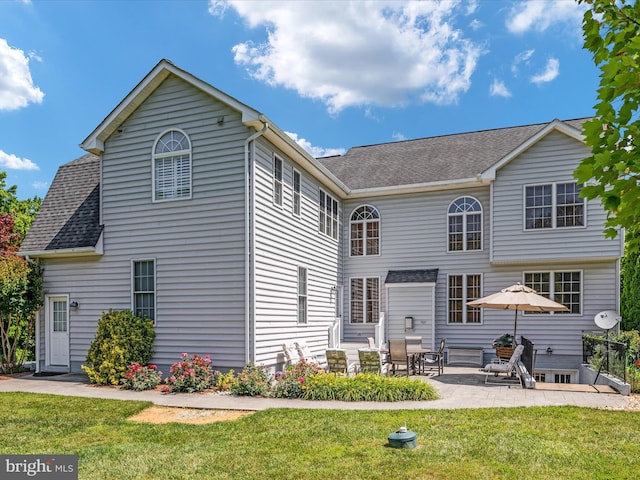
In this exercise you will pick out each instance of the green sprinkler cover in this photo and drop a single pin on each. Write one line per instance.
(402, 439)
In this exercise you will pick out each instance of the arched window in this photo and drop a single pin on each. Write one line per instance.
(365, 231)
(465, 225)
(172, 166)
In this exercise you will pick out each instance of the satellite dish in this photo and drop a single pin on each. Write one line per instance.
(607, 320)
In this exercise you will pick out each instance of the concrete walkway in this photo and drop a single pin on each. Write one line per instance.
(458, 388)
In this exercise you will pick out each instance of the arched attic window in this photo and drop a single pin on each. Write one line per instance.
(465, 225)
(365, 231)
(172, 166)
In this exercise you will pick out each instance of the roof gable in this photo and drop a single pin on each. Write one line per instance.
(94, 143)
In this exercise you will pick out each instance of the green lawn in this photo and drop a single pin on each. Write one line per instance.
(517, 443)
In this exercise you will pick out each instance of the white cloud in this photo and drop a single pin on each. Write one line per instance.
(499, 89)
(11, 162)
(313, 150)
(522, 57)
(398, 137)
(16, 86)
(355, 53)
(551, 71)
(539, 15)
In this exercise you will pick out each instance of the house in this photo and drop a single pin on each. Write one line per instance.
(197, 211)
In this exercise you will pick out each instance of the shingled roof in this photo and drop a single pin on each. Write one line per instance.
(412, 276)
(430, 160)
(69, 217)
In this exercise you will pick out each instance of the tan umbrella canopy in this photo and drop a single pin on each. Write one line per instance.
(518, 297)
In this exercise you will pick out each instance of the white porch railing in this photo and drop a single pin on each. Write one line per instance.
(379, 331)
(334, 334)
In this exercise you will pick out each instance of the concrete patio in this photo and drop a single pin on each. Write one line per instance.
(459, 387)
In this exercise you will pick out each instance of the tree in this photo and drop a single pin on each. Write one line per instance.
(630, 292)
(611, 173)
(21, 293)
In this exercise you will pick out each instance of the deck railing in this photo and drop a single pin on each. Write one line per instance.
(605, 356)
(379, 331)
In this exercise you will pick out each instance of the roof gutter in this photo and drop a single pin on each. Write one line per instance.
(249, 209)
(64, 252)
(477, 181)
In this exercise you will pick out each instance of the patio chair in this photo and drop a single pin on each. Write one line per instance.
(370, 361)
(338, 362)
(291, 354)
(305, 353)
(398, 355)
(434, 360)
(372, 342)
(508, 368)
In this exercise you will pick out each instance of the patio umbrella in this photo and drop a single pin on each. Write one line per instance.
(518, 297)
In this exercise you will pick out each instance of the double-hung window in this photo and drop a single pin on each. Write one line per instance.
(460, 290)
(561, 287)
(465, 225)
(328, 215)
(365, 300)
(302, 295)
(553, 205)
(365, 231)
(144, 289)
(172, 166)
(277, 180)
(297, 192)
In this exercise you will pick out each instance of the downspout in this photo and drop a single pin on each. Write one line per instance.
(248, 235)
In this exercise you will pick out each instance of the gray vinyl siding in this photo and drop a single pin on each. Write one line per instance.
(552, 159)
(413, 232)
(413, 235)
(283, 242)
(415, 301)
(197, 244)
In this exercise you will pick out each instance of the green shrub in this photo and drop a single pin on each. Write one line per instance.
(290, 382)
(366, 387)
(190, 374)
(121, 340)
(224, 381)
(252, 381)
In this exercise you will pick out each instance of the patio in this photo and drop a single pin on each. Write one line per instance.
(459, 387)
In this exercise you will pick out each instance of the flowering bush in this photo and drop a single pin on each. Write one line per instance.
(252, 381)
(190, 374)
(141, 377)
(291, 383)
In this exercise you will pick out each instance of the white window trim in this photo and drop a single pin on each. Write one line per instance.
(364, 238)
(465, 300)
(364, 310)
(320, 212)
(155, 286)
(305, 295)
(294, 193)
(551, 282)
(554, 205)
(277, 182)
(173, 154)
(464, 227)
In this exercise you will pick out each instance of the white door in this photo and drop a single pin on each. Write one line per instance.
(58, 331)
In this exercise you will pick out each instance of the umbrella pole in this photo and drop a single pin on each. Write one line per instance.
(515, 326)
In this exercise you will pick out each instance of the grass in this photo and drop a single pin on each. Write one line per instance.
(540, 442)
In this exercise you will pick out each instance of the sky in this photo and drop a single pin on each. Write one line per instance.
(332, 74)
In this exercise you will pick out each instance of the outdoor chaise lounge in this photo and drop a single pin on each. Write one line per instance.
(370, 361)
(508, 368)
(338, 362)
